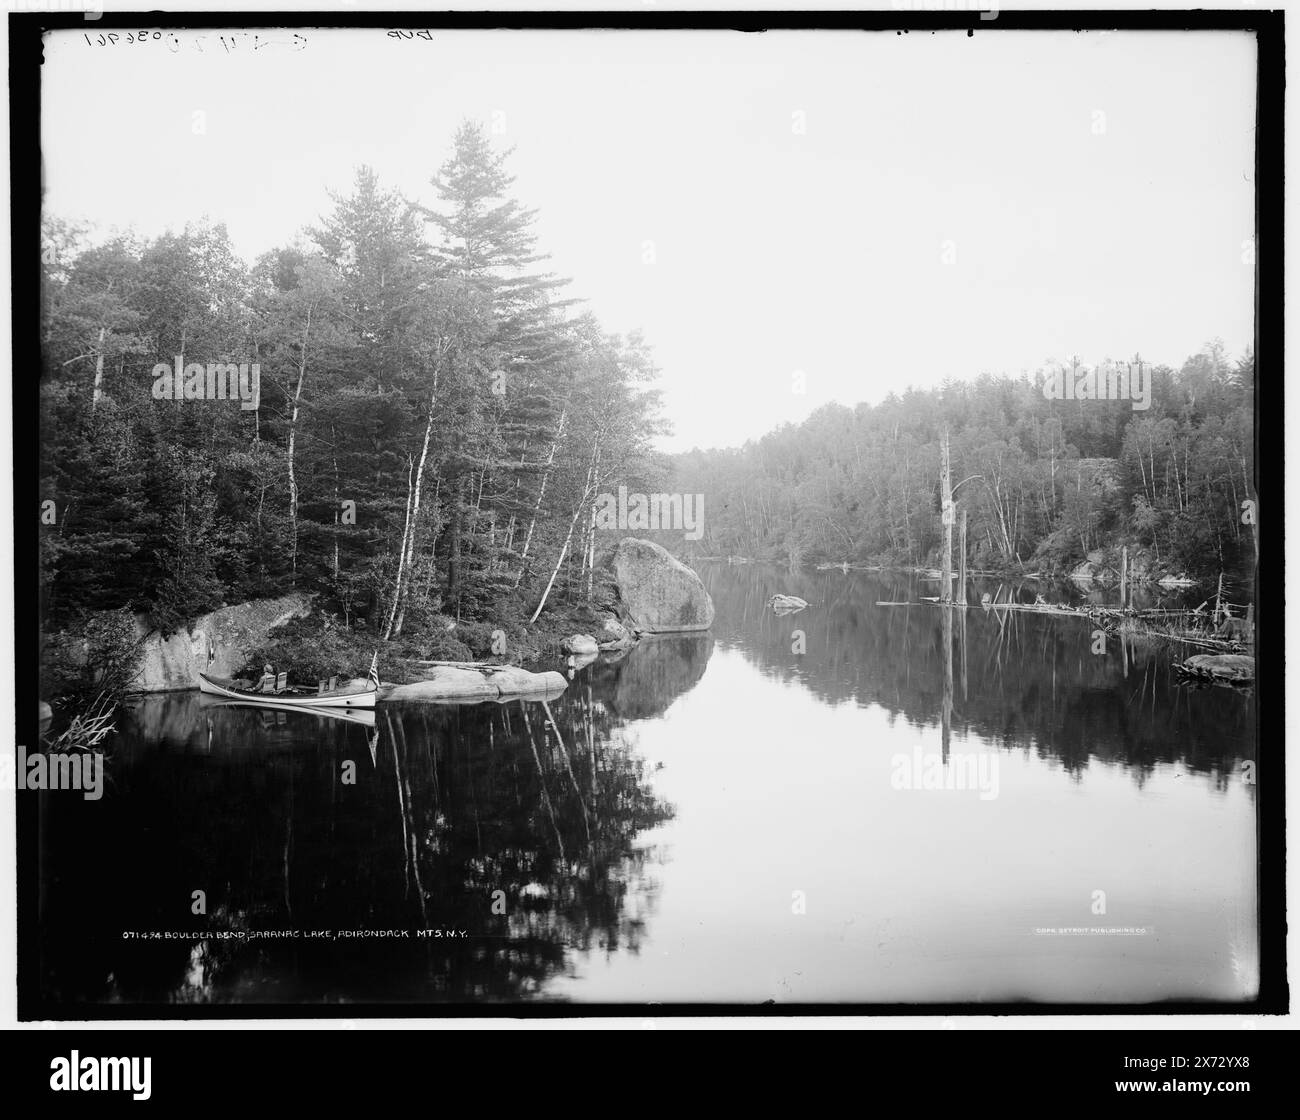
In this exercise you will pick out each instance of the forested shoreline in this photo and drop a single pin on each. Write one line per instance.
(436, 422)
(1046, 483)
(435, 419)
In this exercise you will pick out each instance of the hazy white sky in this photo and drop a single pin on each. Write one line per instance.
(874, 210)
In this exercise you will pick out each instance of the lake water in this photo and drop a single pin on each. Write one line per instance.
(854, 803)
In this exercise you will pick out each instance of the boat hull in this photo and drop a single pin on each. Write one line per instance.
(304, 701)
(364, 716)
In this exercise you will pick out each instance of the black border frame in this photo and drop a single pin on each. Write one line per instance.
(25, 60)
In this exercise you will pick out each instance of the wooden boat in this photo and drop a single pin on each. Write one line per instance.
(353, 696)
(356, 696)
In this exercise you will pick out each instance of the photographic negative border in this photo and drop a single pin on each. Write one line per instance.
(25, 59)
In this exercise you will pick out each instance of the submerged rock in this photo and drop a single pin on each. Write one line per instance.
(1220, 667)
(786, 604)
(611, 653)
(662, 595)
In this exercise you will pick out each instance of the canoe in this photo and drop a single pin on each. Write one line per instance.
(358, 696)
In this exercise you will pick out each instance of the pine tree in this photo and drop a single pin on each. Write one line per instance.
(485, 240)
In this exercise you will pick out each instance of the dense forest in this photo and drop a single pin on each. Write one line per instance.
(1045, 483)
(435, 421)
(434, 416)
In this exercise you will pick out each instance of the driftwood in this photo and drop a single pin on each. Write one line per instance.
(1152, 623)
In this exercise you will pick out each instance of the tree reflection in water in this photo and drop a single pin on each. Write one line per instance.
(528, 825)
(516, 824)
(1023, 681)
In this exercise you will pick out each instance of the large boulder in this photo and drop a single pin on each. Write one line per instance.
(1092, 568)
(580, 644)
(661, 594)
(460, 683)
(230, 634)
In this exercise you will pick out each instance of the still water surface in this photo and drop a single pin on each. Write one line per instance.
(852, 803)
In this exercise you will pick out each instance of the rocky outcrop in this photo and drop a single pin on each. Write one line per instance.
(462, 684)
(660, 593)
(615, 636)
(580, 644)
(1093, 568)
(230, 634)
(1103, 566)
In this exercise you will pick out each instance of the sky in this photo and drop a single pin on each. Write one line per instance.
(790, 218)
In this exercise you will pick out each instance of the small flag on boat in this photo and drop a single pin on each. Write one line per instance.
(374, 674)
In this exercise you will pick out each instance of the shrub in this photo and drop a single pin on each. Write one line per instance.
(312, 648)
(98, 655)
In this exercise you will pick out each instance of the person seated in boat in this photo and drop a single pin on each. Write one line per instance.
(267, 682)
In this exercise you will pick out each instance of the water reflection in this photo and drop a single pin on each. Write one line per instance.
(512, 829)
(1043, 683)
(640, 836)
